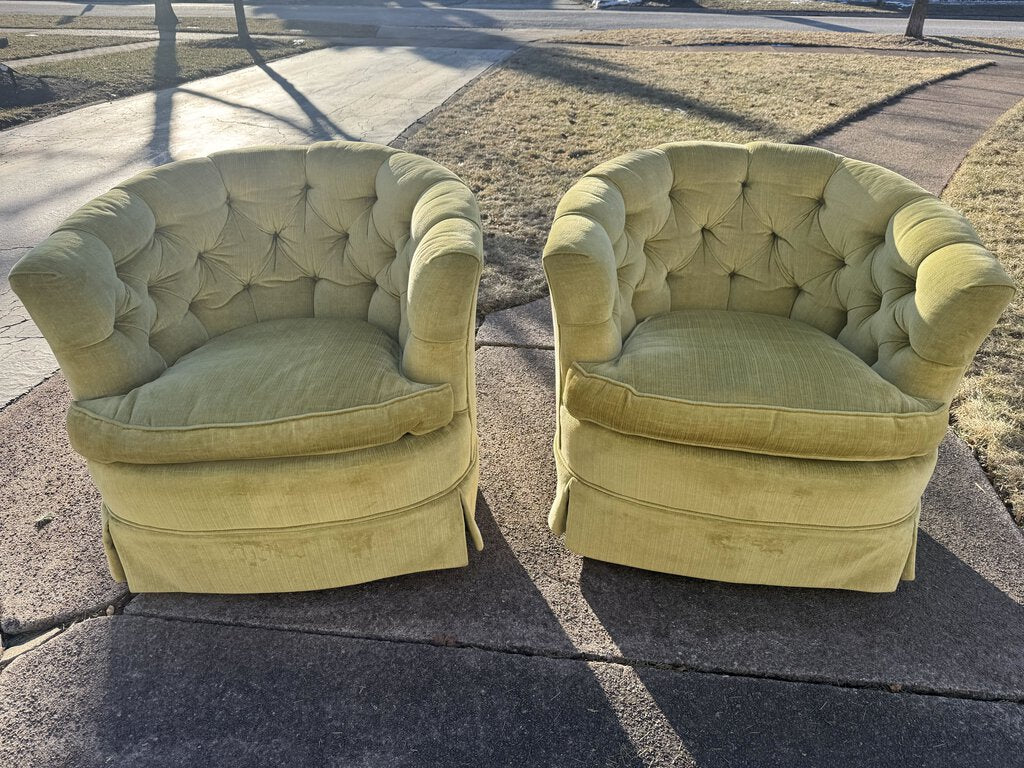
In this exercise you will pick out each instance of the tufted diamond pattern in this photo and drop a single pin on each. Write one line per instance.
(191, 250)
(782, 230)
(766, 230)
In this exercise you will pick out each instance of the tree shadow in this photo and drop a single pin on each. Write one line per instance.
(321, 126)
(165, 70)
(950, 630)
(573, 68)
(739, 721)
(817, 23)
(68, 19)
(220, 695)
(976, 46)
(943, 633)
(158, 150)
(577, 69)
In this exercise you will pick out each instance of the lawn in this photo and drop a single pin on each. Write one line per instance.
(869, 41)
(785, 6)
(989, 412)
(523, 134)
(22, 45)
(53, 87)
(224, 24)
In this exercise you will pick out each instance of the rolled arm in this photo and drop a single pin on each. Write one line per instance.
(444, 274)
(580, 265)
(960, 292)
(97, 331)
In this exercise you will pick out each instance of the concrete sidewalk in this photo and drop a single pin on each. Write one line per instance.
(534, 656)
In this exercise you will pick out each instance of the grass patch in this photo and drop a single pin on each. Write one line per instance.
(522, 135)
(24, 46)
(225, 25)
(684, 37)
(784, 6)
(989, 410)
(60, 86)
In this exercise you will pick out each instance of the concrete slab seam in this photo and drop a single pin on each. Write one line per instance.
(603, 659)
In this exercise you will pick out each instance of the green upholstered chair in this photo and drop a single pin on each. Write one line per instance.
(271, 355)
(757, 347)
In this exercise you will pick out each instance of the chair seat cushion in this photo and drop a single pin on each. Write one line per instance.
(752, 382)
(294, 387)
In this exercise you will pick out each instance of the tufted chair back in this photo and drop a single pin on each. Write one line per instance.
(154, 268)
(850, 248)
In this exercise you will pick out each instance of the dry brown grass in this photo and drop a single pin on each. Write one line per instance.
(989, 411)
(223, 24)
(59, 86)
(785, 6)
(523, 134)
(22, 46)
(685, 37)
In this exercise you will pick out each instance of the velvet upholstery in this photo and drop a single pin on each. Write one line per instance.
(757, 348)
(271, 354)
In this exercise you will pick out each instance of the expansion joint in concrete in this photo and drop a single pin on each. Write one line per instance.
(626, 661)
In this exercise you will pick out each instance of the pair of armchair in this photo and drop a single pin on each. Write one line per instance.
(271, 354)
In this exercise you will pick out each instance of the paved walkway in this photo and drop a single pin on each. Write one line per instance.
(926, 134)
(533, 656)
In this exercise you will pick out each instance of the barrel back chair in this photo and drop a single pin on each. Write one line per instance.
(270, 352)
(757, 348)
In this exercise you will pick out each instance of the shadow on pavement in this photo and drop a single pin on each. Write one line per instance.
(146, 692)
(734, 721)
(950, 629)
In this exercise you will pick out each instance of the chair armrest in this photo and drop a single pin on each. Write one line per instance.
(444, 275)
(960, 292)
(580, 266)
(98, 332)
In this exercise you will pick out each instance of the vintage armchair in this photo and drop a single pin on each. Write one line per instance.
(271, 357)
(757, 347)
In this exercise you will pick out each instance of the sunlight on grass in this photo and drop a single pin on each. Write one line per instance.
(897, 42)
(24, 45)
(989, 411)
(65, 85)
